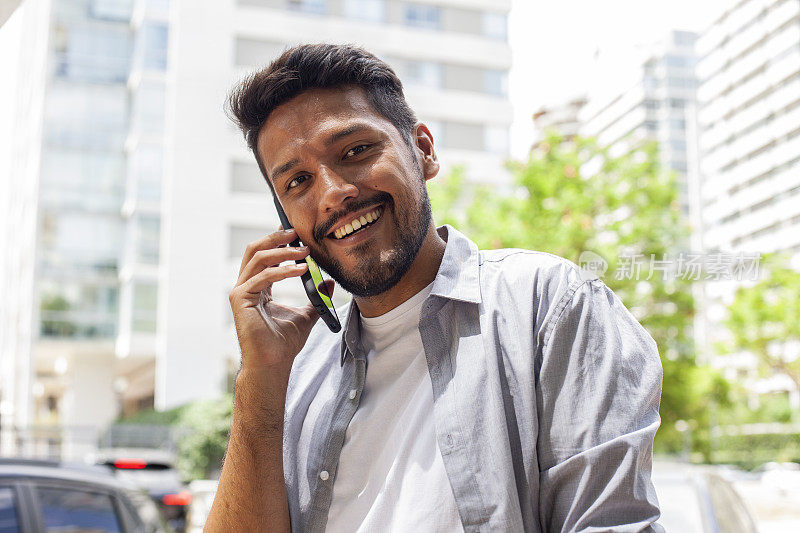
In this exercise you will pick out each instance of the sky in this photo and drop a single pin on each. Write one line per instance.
(554, 44)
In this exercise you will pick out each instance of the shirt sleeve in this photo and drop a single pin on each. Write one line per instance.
(598, 392)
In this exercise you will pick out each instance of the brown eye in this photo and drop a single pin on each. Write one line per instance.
(356, 150)
(296, 181)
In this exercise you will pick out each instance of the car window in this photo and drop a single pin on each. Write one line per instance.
(77, 511)
(8, 511)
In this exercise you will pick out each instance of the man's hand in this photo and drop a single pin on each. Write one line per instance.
(252, 493)
(271, 337)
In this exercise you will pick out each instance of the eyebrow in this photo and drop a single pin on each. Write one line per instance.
(332, 139)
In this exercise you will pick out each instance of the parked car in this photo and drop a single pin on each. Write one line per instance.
(203, 492)
(155, 472)
(698, 499)
(40, 496)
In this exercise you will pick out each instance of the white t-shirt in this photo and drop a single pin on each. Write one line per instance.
(390, 475)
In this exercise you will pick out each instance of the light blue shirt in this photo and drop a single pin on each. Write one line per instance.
(546, 394)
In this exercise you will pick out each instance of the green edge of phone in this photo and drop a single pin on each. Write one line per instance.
(312, 280)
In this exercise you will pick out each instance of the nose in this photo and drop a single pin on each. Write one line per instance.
(335, 190)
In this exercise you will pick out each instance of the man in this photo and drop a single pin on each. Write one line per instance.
(499, 390)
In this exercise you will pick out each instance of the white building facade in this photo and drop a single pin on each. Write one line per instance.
(748, 123)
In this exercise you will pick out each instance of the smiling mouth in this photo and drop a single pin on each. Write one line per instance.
(356, 224)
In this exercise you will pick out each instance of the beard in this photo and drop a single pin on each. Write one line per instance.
(377, 273)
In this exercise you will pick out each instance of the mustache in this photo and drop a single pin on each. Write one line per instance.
(355, 205)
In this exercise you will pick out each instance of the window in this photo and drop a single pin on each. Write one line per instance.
(84, 180)
(148, 234)
(318, 7)
(495, 26)
(495, 82)
(368, 10)
(246, 177)
(111, 9)
(75, 242)
(9, 521)
(422, 73)
(96, 53)
(87, 116)
(153, 45)
(495, 139)
(77, 510)
(145, 304)
(148, 108)
(651, 104)
(422, 16)
(651, 125)
(146, 166)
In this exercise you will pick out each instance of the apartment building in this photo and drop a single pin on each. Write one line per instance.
(748, 123)
(660, 87)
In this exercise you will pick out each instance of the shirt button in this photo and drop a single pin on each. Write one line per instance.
(353, 394)
(324, 475)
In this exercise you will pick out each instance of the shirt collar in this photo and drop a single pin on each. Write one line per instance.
(456, 279)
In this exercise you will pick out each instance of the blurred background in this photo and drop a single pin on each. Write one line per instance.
(655, 143)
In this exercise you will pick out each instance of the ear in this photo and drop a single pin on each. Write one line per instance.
(423, 140)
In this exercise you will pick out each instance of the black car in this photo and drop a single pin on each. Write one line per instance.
(43, 496)
(155, 472)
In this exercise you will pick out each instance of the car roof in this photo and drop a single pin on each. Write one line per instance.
(56, 470)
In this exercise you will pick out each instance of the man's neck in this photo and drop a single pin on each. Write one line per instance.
(421, 273)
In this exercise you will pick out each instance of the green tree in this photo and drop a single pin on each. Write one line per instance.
(573, 196)
(764, 319)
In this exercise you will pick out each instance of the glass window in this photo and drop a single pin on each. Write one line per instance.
(145, 307)
(495, 25)
(92, 52)
(369, 10)
(422, 73)
(87, 116)
(246, 177)
(148, 234)
(240, 236)
(82, 243)
(496, 139)
(9, 523)
(319, 7)
(153, 42)
(495, 82)
(149, 105)
(84, 180)
(422, 16)
(146, 166)
(110, 9)
(77, 510)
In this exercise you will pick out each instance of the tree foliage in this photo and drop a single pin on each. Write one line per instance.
(764, 319)
(573, 196)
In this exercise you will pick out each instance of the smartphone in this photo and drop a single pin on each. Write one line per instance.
(312, 280)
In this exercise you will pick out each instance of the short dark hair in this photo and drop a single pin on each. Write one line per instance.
(311, 66)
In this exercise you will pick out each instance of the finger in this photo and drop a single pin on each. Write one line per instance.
(268, 276)
(268, 258)
(273, 240)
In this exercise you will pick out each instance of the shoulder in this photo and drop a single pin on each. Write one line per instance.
(546, 278)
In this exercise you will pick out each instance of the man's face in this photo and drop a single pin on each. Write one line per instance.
(332, 160)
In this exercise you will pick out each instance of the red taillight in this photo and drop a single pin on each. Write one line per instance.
(184, 497)
(134, 464)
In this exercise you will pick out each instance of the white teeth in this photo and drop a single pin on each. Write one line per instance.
(342, 232)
